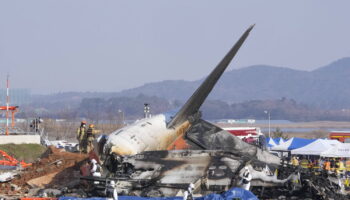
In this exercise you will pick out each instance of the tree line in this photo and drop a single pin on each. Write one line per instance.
(131, 108)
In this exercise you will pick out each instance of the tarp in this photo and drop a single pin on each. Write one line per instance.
(293, 143)
(234, 193)
(316, 147)
(341, 150)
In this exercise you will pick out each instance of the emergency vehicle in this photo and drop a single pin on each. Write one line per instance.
(341, 136)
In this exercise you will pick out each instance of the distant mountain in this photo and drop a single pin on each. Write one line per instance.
(326, 87)
(322, 94)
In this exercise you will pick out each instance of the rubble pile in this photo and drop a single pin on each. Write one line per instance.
(55, 169)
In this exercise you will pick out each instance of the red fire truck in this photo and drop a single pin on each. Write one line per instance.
(342, 136)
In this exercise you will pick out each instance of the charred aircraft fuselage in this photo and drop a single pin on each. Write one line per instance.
(168, 173)
(135, 154)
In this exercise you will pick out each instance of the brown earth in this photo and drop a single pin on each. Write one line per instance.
(55, 169)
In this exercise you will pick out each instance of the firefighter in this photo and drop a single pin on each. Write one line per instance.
(90, 137)
(347, 183)
(295, 161)
(327, 165)
(81, 134)
(320, 164)
(332, 164)
(304, 163)
(347, 165)
(311, 164)
(340, 168)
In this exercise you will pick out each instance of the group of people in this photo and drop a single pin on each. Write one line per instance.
(85, 137)
(35, 125)
(338, 166)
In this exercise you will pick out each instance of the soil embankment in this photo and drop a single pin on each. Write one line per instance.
(56, 168)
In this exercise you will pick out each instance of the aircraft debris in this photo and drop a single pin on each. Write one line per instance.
(48, 173)
(7, 176)
(141, 160)
(136, 155)
(144, 159)
(166, 173)
(161, 131)
(9, 161)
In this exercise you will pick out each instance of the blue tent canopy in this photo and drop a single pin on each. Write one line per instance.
(300, 142)
(274, 141)
(293, 143)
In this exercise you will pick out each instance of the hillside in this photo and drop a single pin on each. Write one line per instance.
(322, 94)
(326, 87)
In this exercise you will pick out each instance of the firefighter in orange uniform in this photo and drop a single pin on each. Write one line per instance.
(327, 165)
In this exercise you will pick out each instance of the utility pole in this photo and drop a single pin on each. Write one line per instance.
(7, 103)
(121, 113)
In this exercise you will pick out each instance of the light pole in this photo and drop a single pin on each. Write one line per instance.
(269, 116)
(146, 110)
(121, 116)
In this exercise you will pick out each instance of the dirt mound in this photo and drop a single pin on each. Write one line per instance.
(56, 169)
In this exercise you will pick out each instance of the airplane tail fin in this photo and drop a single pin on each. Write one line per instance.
(196, 100)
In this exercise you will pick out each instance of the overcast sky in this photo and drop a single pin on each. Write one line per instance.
(82, 45)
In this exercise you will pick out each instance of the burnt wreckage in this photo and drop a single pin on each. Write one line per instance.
(142, 161)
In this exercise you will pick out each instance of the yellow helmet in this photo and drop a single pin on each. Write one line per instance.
(91, 126)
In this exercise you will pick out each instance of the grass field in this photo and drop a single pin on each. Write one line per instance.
(26, 152)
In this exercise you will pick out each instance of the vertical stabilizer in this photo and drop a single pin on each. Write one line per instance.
(196, 100)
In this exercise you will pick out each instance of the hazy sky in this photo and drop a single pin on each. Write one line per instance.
(82, 45)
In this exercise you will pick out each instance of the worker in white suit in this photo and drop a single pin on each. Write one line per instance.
(246, 178)
(111, 191)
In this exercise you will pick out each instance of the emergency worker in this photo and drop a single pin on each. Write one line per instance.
(295, 161)
(347, 165)
(81, 134)
(332, 164)
(320, 164)
(327, 165)
(190, 191)
(340, 167)
(90, 137)
(111, 190)
(347, 183)
(96, 169)
(246, 178)
(304, 163)
(310, 165)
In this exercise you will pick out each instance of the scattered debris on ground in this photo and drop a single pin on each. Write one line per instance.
(56, 169)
